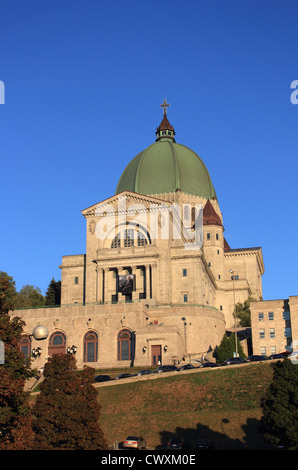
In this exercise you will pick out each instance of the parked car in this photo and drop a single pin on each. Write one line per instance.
(175, 443)
(134, 442)
(255, 358)
(187, 367)
(202, 444)
(102, 378)
(208, 364)
(144, 372)
(232, 361)
(276, 356)
(165, 369)
(123, 376)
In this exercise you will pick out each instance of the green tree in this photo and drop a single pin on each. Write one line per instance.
(227, 348)
(280, 406)
(29, 296)
(243, 312)
(66, 410)
(53, 294)
(15, 416)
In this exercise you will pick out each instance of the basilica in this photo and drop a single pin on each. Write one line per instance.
(158, 281)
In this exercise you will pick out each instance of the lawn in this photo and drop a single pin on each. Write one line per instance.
(222, 405)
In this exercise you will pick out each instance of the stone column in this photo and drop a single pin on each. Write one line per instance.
(154, 280)
(105, 284)
(134, 293)
(99, 285)
(148, 283)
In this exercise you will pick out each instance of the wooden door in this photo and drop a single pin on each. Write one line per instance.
(156, 355)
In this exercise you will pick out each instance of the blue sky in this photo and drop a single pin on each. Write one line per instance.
(83, 83)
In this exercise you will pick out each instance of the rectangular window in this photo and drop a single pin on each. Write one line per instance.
(262, 333)
(271, 316)
(286, 315)
(184, 272)
(261, 316)
(263, 350)
(273, 349)
(287, 333)
(185, 298)
(76, 280)
(272, 332)
(217, 236)
(208, 236)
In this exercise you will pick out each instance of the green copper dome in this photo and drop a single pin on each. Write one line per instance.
(166, 166)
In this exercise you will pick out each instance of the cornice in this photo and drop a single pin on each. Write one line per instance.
(71, 266)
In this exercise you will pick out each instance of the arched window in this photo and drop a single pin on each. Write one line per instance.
(128, 237)
(90, 347)
(57, 343)
(25, 345)
(125, 345)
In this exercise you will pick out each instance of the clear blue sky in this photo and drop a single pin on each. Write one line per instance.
(83, 83)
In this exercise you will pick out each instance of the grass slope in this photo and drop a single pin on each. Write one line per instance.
(222, 405)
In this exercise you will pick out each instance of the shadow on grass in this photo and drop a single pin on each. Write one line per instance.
(253, 439)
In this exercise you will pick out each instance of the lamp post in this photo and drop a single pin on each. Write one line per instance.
(185, 345)
(236, 341)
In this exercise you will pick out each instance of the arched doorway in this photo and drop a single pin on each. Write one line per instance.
(91, 347)
(57, 343)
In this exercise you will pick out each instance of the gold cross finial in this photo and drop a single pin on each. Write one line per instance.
(164, 105)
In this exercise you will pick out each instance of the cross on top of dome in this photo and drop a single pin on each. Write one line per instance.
(164, 105)
(165, 129)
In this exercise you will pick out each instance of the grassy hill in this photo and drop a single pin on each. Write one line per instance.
(221, 404)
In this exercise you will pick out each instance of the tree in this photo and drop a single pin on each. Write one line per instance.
(227, 348)
(67, 411)
(280, 406)
(243, 312)
(15, 416)
(29, 296)
(53, 294)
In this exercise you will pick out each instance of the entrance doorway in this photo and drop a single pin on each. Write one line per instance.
(156, 355)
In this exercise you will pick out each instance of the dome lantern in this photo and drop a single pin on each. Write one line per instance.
(165, 130)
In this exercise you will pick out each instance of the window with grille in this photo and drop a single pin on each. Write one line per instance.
(116, 242)
(130, 237)
(142, 241)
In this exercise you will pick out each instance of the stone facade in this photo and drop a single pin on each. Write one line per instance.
(274, 326)
(183, 296)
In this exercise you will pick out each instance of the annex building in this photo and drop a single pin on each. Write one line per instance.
(274, 326)
(158, 280)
